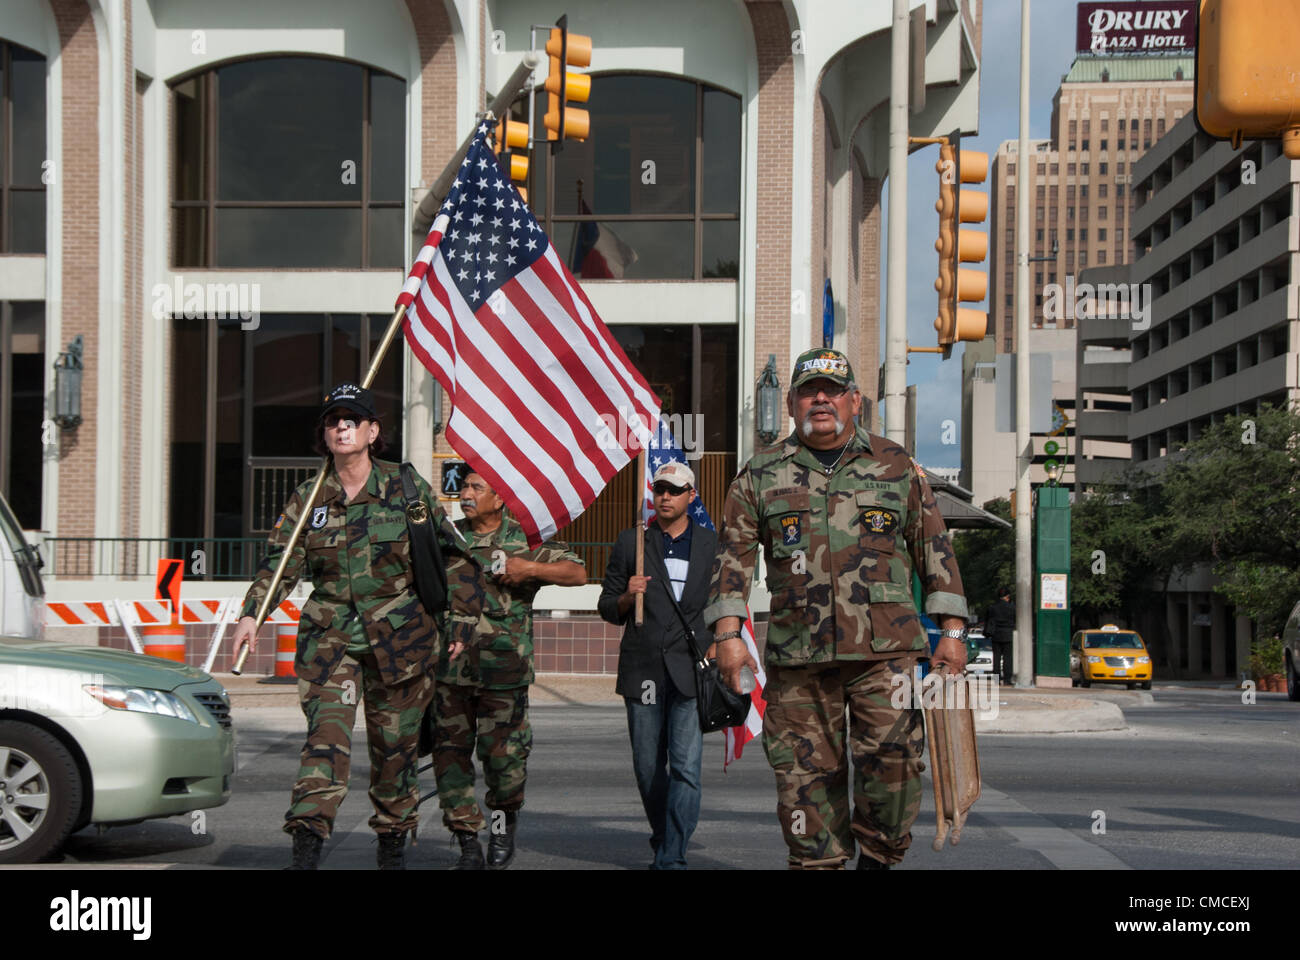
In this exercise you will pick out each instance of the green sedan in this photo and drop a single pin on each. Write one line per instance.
(90, 735)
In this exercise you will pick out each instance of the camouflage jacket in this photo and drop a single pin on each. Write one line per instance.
(357, 558)
(839, 550)
(501, 655)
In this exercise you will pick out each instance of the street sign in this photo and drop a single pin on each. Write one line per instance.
(453, 476)
(167, 585)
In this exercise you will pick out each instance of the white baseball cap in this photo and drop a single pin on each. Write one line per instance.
(676, 473)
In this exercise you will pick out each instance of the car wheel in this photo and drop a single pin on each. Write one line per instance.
(40, 793)
(1292, 681)
(1145, 684)
(1084, 681)
(1132, 686)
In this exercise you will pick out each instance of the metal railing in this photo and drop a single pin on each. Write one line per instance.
(214, 558)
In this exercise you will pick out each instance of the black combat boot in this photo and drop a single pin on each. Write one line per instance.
(306, 850)
(471, 852)
(866, 863)
(391, 854)
(501, 846)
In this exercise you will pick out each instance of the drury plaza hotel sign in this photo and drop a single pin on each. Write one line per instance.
(1137, 28)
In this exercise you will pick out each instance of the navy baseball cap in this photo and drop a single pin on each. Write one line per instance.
(351, 397)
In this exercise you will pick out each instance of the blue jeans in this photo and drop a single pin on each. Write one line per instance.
(667, 750)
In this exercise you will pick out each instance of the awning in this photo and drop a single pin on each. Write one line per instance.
(957, 509)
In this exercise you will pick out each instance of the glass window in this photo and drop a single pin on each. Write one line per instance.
(654, 194)
(22, 395)
(267, 389)
(294, 162)
(22, 150)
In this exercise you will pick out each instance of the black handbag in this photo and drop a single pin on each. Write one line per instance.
(717, 704)
(427, 568)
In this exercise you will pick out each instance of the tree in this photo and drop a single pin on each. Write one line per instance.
(1233, 499)
(986, 559)
(1118, 562)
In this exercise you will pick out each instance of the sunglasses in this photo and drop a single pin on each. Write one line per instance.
(347, 422)
(663, 487)
(814, 387)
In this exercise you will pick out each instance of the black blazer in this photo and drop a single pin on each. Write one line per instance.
(659, 645)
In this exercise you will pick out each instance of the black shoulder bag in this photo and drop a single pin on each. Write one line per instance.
(427, 568)
(717, 704)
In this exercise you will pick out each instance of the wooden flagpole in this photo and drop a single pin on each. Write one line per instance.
(242, 653)
(640, 540)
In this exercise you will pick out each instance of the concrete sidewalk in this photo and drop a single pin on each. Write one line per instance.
(1019, 710)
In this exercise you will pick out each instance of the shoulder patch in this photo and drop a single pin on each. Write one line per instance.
(280, 522)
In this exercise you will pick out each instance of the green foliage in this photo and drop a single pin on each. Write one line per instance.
(1266, 656)
(986, 559)
(1231, 498)
(1117, 560)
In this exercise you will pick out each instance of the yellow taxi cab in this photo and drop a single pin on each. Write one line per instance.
(1110, 655)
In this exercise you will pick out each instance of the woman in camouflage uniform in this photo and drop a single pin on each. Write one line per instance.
(363, 632)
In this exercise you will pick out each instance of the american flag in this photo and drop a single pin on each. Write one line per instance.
(545, 404)
(664, 448)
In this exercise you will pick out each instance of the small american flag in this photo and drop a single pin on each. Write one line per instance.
(662, 449)
(545, 404)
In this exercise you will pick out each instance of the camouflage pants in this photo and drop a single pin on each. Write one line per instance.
(493, 723)
(803, 736)
(393, 717)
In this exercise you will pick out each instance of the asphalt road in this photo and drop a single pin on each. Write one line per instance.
(1199, 781)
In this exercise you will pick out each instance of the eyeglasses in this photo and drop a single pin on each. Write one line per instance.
(814, 387)
(663, 487)
(342, 422)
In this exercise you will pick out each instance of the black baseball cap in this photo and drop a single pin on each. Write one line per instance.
(351, 397)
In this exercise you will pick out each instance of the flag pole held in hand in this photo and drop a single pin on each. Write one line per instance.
(640, 544)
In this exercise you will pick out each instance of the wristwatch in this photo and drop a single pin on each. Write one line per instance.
(954, 634)
(729, 635)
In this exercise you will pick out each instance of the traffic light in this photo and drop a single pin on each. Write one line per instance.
(512, 142)
(567, 50)
(1246, 81)
(956, 284)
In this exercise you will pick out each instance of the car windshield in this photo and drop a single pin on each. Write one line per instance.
(1118, 641)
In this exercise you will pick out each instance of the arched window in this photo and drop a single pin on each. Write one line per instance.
(654, 193)
(22, 150)
(288, 162)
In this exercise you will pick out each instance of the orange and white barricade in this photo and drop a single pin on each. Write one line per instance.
(128, 614)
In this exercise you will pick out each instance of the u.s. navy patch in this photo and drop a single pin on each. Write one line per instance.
(319, 516)
(878, 520)
(790, 531)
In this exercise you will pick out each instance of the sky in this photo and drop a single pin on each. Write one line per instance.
(1051, 53)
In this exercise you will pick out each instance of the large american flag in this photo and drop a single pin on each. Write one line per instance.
(545, 404)
(662, 449)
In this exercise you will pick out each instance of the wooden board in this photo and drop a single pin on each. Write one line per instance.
(955, 768)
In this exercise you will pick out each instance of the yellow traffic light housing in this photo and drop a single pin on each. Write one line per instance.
(956, 284)
(1247, 84)
(566, 49)
(512, 136)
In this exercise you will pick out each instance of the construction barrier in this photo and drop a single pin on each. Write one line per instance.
(165, 640)
(286, 648)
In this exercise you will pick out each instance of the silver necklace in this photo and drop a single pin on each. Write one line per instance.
(831, 468)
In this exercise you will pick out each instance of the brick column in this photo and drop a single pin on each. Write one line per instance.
(78, 165)
(775, 161)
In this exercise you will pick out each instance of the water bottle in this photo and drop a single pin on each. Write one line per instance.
(748, 682)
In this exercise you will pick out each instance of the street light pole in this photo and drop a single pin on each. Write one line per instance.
(896, 279)
(1024, 647)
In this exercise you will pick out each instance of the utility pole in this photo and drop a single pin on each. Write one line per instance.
(1024, 645)
(896, 280)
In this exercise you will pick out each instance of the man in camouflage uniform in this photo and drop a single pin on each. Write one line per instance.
(481, 700)
(364, 632)
(843, 517)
